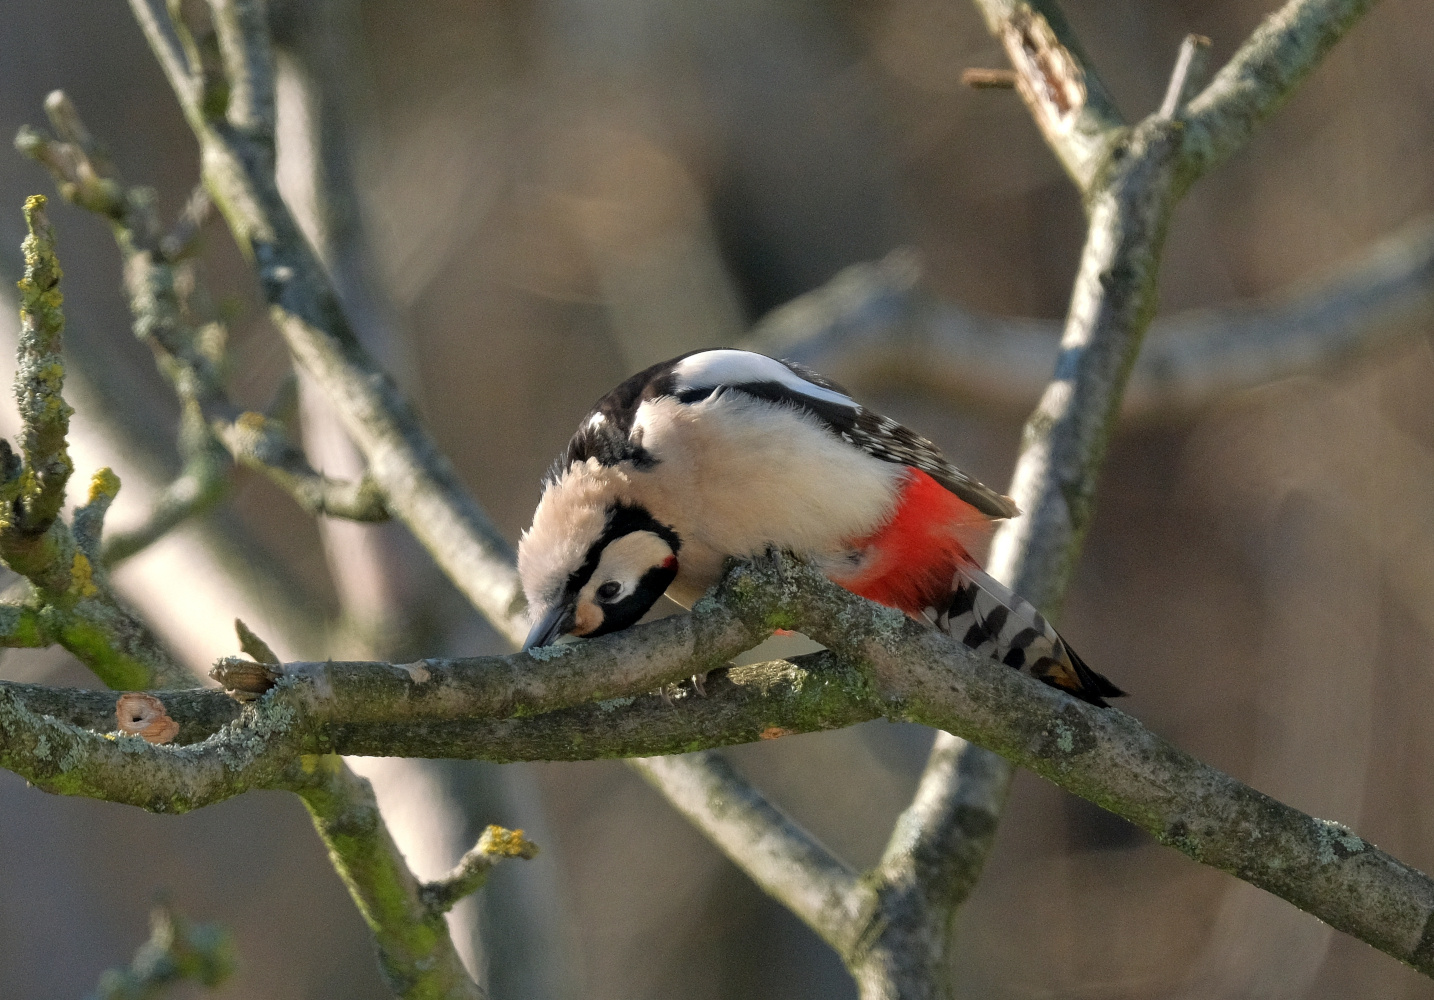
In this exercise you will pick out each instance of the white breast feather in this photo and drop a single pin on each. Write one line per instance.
(738, 474)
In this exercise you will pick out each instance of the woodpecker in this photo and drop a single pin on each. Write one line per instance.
(723, 453)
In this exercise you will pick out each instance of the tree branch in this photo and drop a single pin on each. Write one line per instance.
(471, 872)
(420, 485)
(415, 952)
(874, 325)
(1259, 78)
(73, 600)
(1130, 192)
(1187, 76)
(907, 672)
(1130, 181)
(189, 357)
(1070, 105)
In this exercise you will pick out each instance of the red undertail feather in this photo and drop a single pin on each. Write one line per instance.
(911, 560)
(919, 562)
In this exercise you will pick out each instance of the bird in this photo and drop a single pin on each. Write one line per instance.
(728, 453)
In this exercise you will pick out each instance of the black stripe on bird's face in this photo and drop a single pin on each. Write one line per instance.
(628, 567)
(628, 609)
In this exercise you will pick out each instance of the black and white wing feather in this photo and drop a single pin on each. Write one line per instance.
(607, 432)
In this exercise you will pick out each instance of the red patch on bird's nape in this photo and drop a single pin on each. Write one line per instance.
(670, 562)
(911, 559)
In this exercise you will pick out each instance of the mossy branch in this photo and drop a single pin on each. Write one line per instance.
(901, 670)
(415, 952)
(40, 380)
(471, 872)
(73, 603)
(190, 354)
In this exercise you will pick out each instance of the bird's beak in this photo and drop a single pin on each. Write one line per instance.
(555, 622)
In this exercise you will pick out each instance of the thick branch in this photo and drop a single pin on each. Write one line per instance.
(936, 853)
(744, 705)
(910, 672)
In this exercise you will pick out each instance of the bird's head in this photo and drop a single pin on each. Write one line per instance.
(594, 560)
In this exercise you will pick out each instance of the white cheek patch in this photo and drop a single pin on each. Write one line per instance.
(715, 368)
(627, 560)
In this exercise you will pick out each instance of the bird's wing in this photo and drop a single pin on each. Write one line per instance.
(605, 433)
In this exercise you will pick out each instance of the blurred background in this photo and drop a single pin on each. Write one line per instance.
(550, 194)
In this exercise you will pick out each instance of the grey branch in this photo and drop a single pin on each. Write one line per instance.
(187, 355)
(1130, 180)
(875, 325)
(1260, 77)
(902, 670)
(1070, 105)
(420, 485)
(1188, 75)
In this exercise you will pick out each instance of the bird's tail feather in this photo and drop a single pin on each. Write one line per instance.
(987, 616)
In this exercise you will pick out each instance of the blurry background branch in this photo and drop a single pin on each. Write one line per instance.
(161, 284)
(178, 950)
(875, 326)
(238, 155)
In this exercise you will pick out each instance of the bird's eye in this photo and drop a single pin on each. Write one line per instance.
(609, 590)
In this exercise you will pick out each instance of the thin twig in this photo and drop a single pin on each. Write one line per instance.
(471, 872)
(1067, 99)
(211, 424)
(1188, 75)
(988, 79)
